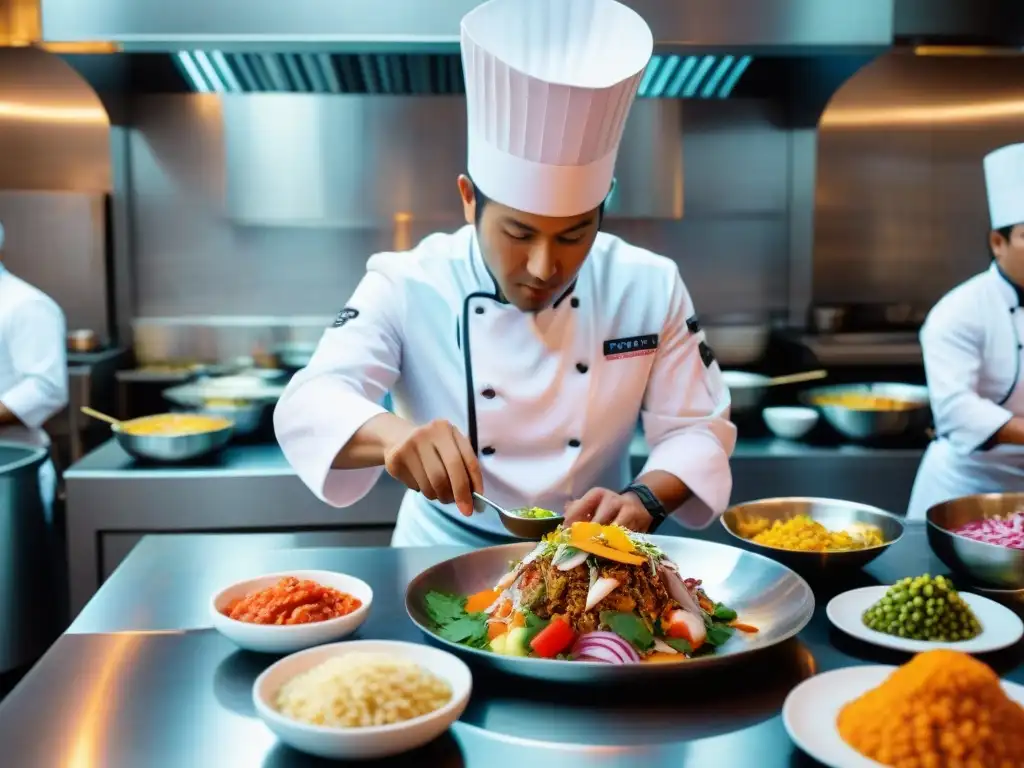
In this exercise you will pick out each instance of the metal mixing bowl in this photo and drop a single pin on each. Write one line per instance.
(247, 417)
(171, 448)
(834, 514)
(870, 424)
(764, 593)
(990, 564)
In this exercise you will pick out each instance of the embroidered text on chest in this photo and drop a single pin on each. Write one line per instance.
(634, 346)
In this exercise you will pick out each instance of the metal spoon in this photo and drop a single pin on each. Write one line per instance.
(523, 527)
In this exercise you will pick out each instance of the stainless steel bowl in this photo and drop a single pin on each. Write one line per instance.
(246, 417)
(871, 424)
(763, 592)
(747, 390)
(834, 514)
(171, 448)
(978, 561)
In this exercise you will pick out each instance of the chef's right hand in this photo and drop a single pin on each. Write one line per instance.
(438, 461)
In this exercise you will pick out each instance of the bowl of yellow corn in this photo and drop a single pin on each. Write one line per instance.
(813, 535)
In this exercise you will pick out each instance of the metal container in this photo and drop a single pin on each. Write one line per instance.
(871, 424)
(171, 448)
(82, 340)
(978, 561)
(738, 340)
(747, 390)
(763, 592)
(834, 514)
(246, 417)
(27, 585)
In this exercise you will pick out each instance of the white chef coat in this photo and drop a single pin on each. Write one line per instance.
(550, 401)
(33, 368)
(972, 345)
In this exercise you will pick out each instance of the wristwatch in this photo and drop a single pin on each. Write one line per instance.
(654, 507)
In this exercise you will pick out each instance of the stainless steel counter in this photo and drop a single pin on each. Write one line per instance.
(159, 688)
(112, 501)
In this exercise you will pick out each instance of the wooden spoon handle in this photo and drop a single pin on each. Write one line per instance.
(101, 416)
(796, 378)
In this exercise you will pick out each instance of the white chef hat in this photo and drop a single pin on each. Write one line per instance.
(549, 84)
(1004, 179)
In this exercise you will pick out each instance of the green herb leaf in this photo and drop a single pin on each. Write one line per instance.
(629, 627)
(677, 643)
(719, 635)
(724, 612)
(471, 630)
(443, 608)
(534, 624)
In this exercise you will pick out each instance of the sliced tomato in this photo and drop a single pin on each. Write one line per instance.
(556, 637)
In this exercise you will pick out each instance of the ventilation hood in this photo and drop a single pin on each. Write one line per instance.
(797, 52)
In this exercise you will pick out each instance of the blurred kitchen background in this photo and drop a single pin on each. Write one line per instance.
(200, 190)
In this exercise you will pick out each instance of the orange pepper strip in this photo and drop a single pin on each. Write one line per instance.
(744, 627)
(481, 601)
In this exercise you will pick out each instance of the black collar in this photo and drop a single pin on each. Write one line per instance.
(1018, 290)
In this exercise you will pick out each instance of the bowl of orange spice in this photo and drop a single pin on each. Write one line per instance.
(942, 708)
(288, 612)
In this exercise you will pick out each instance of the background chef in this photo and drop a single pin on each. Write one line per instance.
(33, 368)
(972, 345)
(521, 350)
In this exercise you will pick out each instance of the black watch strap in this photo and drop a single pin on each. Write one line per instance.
(654, 507)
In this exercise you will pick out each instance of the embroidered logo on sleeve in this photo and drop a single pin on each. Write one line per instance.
(344, 316)
(634, 346)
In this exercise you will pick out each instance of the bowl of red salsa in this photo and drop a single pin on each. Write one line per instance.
(291, 611)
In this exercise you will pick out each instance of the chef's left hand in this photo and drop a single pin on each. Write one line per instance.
(602, 506)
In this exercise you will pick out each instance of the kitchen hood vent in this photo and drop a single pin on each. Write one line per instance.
(669, 76)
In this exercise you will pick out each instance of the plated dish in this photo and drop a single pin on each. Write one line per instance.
(589, 593)
(940, 708)
(286, 612)
(905, 617)
(362, 699)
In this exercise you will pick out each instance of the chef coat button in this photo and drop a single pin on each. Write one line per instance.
(574, 302)
(489, 393)
(574, 443)
(487, 451)
(582, 367)
(479, 310)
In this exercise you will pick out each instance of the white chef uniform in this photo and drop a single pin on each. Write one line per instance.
(550, 401)
(972, 345)
(33, 368)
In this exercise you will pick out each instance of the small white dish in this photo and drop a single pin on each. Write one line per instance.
(790, 422)
(1000, 627)
(811, 709)
(264, 638)
(374, 741)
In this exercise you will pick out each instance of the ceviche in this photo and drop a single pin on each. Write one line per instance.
(589, 592)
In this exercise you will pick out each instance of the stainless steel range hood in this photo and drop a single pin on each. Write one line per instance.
(703, 50)
(432, 26)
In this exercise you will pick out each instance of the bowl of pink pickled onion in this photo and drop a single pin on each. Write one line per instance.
(981, 538)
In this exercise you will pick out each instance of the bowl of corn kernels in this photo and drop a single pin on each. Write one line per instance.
(813, 535)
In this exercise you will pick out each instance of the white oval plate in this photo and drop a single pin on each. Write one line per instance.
(810, 711)
(374, 741)
(1000, 627)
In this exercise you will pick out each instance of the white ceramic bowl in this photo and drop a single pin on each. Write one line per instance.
(790, 422)
(288, 639)
(374, 741)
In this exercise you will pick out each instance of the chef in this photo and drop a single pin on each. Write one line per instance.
(972, 344)
(33, 369)
(521, 350)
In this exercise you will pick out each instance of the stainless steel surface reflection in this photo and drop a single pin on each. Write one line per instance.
(764, 593)
(172, 448)
(979, 561)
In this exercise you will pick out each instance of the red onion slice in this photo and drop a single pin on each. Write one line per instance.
(605, 645)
